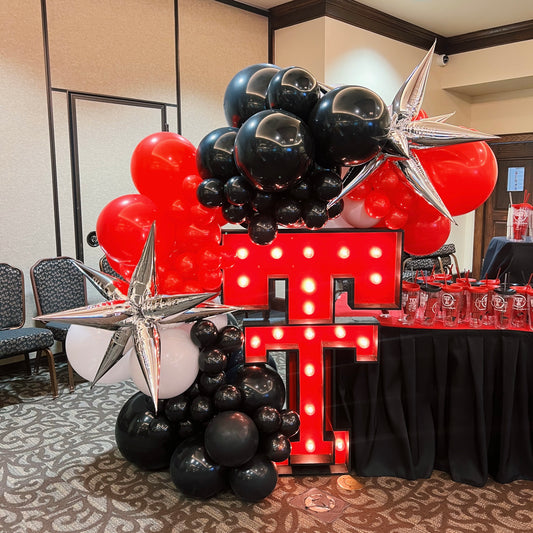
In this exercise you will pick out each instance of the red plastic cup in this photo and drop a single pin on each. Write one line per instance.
(520, 223)
(410, 301)
(519, 308)
(465, 303)
(451, 304)
(502, 298)
(478, 305)
(491, 284)
(430, 295)
(530, 307)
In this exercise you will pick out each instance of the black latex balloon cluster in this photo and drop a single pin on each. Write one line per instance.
(277, 162)
(225, 431)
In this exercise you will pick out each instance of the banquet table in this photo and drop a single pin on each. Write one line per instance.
(514, 258)
(460, 401)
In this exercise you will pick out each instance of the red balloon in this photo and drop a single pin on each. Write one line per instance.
(122, 228)
(377, 204)
(360, 192)
(422, 237)
(464, 175)
(159, 165)
(396, 219)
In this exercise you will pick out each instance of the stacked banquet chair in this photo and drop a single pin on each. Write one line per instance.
(106, 268)
(438, 262)
(58, 285)
(14, 338)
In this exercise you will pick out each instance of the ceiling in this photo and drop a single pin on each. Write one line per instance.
(443, 17)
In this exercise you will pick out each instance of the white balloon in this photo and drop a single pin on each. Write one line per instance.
(355, 214)
(337, 222)
(179, 362)
(86, 348)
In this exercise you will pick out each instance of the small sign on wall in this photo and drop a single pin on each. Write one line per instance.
(515, 178)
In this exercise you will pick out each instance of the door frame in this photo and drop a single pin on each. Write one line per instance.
(505, 147)
(72, 98)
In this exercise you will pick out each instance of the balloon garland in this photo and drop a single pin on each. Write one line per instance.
(290, 138)
(224, 432)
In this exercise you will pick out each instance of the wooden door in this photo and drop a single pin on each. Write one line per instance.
(512, 152)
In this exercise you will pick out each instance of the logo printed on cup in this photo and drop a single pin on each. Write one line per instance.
(448, 301)
(519, 302)
(499, 303)
(411, 304)
(481, 303)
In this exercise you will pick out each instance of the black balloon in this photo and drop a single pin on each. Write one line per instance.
(235, 214)
(349, 124)
(204, 333)
(276, 447)
(238, 190)
(336, 209)
(143, 438)
(209, 383)
(274, 149)
(293, 89)
(264, 202)
(315, 213)
(262, 229)
(230, 339)
(290, 423)
(228, 398)
(195, 474)
(288, 211)
(192, 391)
(260, 385)
(214, 155)
(231, 438)
(177, 408)
(201, 409)
(255, 480)
(210, 192)
(326, 184)
(267, 419)
(245, 94)
(186, 429)
(302, 190)
(212, 361)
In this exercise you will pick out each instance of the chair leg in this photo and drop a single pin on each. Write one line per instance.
(70, 377)
(27, 363)
(52, 369)
(37, 363)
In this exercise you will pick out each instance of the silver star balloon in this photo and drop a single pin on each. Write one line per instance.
(138, 313)
(406, 135)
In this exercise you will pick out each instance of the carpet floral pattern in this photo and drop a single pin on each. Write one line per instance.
(60, 471)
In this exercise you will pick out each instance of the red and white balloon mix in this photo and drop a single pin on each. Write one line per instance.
(464, 175)
(189, 255)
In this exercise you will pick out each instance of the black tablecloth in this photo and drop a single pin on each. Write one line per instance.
(512, 257)
(458, 401)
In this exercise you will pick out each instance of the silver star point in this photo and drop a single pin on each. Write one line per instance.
(139, 314)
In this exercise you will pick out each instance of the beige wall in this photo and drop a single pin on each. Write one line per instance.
(124, 49)
(215, 42)
(350, 55)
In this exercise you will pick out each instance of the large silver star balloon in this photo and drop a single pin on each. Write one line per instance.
(137, 313)
(406, 135)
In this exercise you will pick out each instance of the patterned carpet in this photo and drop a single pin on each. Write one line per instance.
(60, 471)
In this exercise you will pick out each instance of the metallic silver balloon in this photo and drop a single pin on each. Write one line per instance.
(406, 135)
(104, 283)
(408, 100)
(138, 313)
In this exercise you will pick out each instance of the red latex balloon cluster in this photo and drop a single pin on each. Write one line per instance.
(464, 176)
(188, 252)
